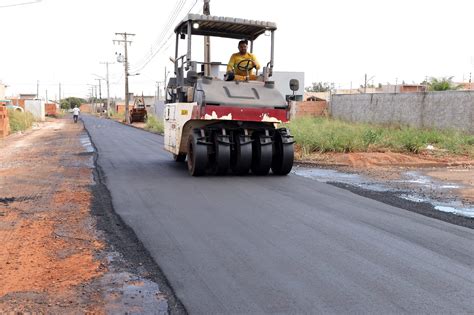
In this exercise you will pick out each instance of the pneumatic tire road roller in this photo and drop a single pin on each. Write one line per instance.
(226, 126)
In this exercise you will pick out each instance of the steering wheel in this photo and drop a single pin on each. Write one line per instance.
(244, 65)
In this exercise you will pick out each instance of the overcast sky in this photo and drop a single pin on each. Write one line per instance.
(338, 41)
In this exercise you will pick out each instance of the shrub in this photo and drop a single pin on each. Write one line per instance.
(154, 124)
(20, 121)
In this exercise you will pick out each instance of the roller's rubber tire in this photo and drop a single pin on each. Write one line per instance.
(241, 160)
(261, 155)
(283, 155)
(197, 156)
(221, 163)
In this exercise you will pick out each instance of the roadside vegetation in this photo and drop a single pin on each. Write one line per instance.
(154, 124)
(329, 135)
(117, 116)
(71, 102)
(20, 121)
(442, 84)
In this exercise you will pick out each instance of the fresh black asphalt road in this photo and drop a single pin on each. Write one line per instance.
(280, 244)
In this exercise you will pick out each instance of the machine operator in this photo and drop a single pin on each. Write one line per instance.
(240, 62)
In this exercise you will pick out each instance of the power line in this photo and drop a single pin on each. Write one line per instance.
(158, 40)
(154, 54)
(118, 80)
(18, 4)
(161, 42)
(172, 17)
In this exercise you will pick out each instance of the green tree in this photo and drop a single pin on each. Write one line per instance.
(442, 84)
(71, 102)
(320, 87)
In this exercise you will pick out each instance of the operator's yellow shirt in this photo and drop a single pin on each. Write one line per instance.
(236, 58)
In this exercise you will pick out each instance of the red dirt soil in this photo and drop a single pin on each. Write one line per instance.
(47, 257)
(388, 165)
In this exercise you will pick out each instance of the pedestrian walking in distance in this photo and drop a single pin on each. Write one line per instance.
(75, 113)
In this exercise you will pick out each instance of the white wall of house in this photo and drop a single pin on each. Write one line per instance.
(37, 108)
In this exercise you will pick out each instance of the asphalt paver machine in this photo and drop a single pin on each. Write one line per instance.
(226, 126)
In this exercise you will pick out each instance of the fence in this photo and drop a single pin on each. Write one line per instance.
(440, 110)
(311, 108)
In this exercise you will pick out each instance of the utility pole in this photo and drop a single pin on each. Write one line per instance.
(207, 42)
(100, 93)
(125, 62)
(37, 89)
(96, 99)
(365, 83)
(92, 97)
(108, 85)
(59, 94)
(367, 80)
(157, 91)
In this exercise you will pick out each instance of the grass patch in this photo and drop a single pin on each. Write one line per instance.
(20, 121)
(330, 135)
(154, 124)
(117, 116)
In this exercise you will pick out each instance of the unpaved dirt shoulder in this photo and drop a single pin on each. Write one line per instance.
(385, 166)
(63, 248)
(48, 255)
(461, 175)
